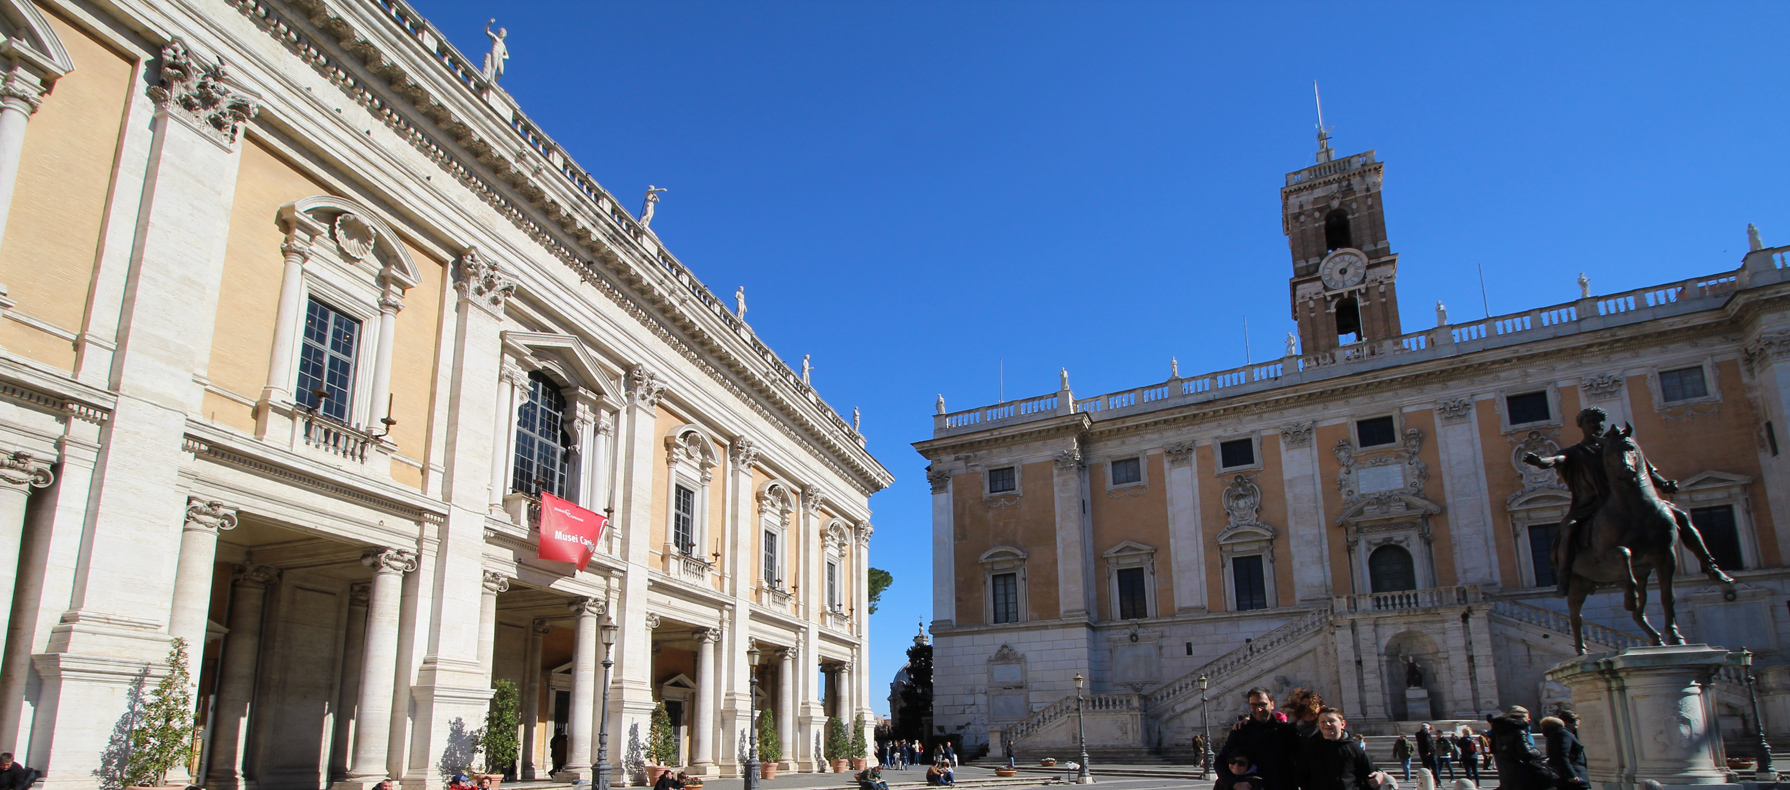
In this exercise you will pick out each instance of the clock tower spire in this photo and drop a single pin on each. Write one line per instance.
(1343, 286)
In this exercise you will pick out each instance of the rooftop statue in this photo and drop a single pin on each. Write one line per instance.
(739, 303)
(499, 53)
(652, 200)
(1619, 531)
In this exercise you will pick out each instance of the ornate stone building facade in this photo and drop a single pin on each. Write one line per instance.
(1353, 517)
(302, 316)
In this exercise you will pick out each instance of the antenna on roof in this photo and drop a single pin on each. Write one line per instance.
(1324, 152)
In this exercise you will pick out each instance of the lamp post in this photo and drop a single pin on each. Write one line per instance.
(606, 633)
(1082, 777)
(1762, 748)
(752, 717)
(1206, 730)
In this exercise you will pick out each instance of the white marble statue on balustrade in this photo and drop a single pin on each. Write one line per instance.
(1753, 242)
(500, 52)
(739, 303)
(807, 370)
(1065, 377)
(1174, 368)
(1584, 286)
(1292, 345)
(652, 201)
(1441, 314)
(941, 403)
(856, 420)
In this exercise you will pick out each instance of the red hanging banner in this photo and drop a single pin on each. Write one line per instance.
(569, 533)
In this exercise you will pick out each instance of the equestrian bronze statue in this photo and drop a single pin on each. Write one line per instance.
(1619, 531)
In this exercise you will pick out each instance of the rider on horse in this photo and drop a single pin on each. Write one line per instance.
(1581, 468)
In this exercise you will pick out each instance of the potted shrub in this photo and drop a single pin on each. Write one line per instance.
(860, 751)
(1001, 770)
(661, 752)
(838, 744)
(162, 735)
(770, 746)
(498, 740)
(1048, 762)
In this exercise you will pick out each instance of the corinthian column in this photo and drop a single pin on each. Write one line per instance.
(584, 691)
(236, 681)
(19, 473)
(702, 739)
(379, 664)
(192, 574)
(20, 94)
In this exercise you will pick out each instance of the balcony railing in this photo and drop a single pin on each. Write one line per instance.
(337, 439)
(684, 565)
(1405, 600)
(1584, 315)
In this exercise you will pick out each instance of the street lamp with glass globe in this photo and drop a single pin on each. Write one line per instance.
(1206, 731)
(606, 633)
(1082, 776)
(752, 717)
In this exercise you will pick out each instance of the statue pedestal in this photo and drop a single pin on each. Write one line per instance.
(1417, 704)
(1644, 713)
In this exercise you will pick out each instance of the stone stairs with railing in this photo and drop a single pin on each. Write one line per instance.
(1561, 625)
(1223, 673)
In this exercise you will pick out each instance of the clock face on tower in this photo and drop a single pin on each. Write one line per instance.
(1344, 268)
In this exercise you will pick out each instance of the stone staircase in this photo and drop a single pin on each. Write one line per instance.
(1560, 625)
(1225, 675)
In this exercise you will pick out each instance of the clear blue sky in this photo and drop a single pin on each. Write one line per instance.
(912, 192)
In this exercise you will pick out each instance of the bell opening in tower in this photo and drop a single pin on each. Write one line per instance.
(1348, 321)
(1336, 230)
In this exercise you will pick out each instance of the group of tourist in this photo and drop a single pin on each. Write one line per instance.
(900, 755)
(1307, 746)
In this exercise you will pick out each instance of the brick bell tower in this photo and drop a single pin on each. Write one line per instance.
(1344, 272)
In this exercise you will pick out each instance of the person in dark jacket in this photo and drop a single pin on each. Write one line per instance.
(1241, 774)
(13, 775)
(1333, 760)
(1426, 748)
(1566, 756)
(1271, 744)
(1513, 750)
(1401, 751)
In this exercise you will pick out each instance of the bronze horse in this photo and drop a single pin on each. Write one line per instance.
(1633, 535)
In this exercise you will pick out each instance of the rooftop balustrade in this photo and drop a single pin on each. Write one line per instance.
(1562, 320)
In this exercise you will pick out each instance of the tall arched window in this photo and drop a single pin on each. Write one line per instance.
(1390, 569)
(542, 441)
(1348, 321)
(1337, 234)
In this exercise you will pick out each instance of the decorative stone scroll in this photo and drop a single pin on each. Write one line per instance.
(22, 468)
(1179, 453)
(200, 92)
(256, 575)
(644, 387)
(483, 281)
(652, 621)
(496, 582)
(1455, 411)
(209, 514)
(1069, 459)
(597, 607)
(744, 453)
(1603, 386)
(389, 560)
(1298, 434)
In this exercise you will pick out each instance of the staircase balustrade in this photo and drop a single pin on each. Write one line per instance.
(1555, 621)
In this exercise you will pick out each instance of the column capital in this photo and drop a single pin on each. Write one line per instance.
(201, 93)
(708, 635)
(385, 560)
(483, 283)
(644, 387)
(593, 607)
(745, 453)
(1181, 453)
(786, 654)
(814, 497)
(652, 621)
(540, 627)
(496, 582)
(865, 530)
(391, 297)
(209, 515)
(939, 479)
(256, 575)
(359, 593)
(24, 470)
(22, 90)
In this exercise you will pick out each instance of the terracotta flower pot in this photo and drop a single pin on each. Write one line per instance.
(1006, 772)
(839, 765)
(1048, 762)
(653, 772)
(859, 763)
(767, 771)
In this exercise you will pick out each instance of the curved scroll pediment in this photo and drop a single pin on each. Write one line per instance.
(358, 232)
(1392, 504)
(1241, 532)
(30, 38)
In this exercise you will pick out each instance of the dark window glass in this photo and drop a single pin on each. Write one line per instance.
(541, 441)
(683, 519)
(326, 360)
(1251, 585)
(1682, 384)
(1348, 321)
(1134, 602)
(1541, 553)
(1720, 535)
(833, 585)
(1527, 407)
(1127, 470)
(1236, 452)
(1390, 569)
(1375, 432)
(1336, 230)
(1006, 597)
(1001, 480)
(770, 559)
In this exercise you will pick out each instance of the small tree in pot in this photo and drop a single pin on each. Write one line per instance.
(860, 751)
(661, 751)
(162, 737)
(838, 744)
(498, 740)
(770, 746)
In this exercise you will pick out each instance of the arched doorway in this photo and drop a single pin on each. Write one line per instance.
(1391, 569)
